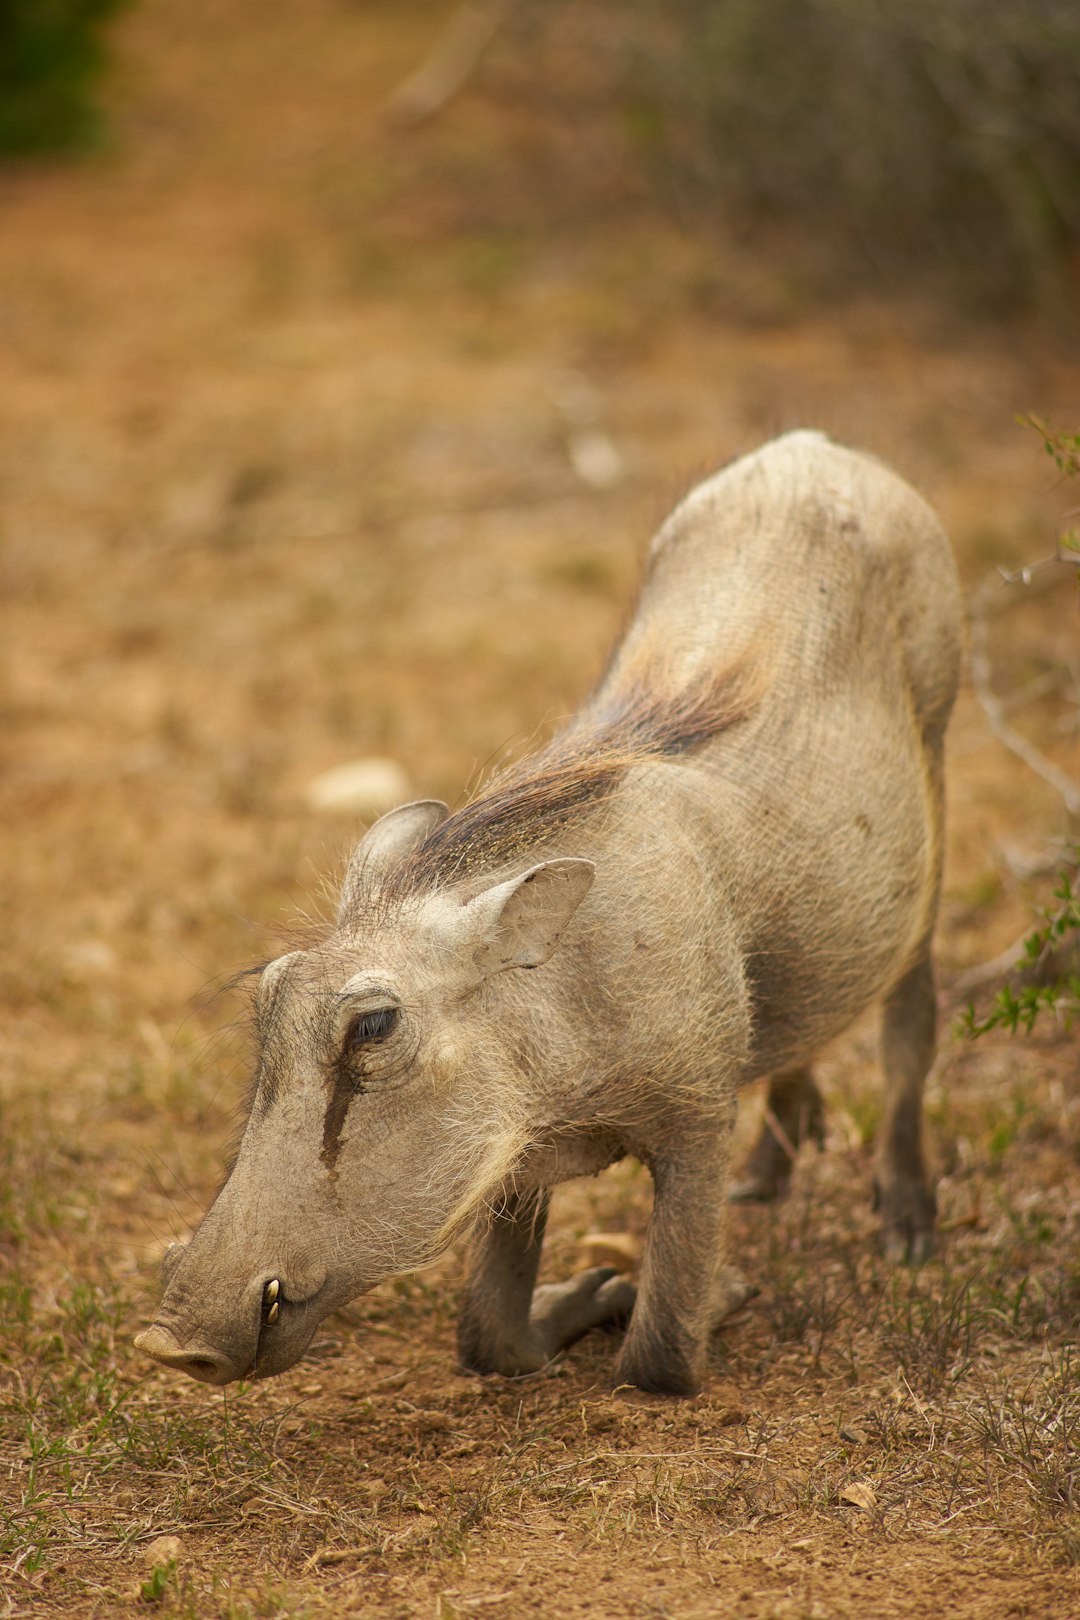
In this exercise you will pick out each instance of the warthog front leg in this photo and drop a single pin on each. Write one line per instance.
(794, 1114)
(903, 1192)
(510, 1326)
(686, 1289)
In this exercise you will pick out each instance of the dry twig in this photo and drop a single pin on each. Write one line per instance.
(994, 708)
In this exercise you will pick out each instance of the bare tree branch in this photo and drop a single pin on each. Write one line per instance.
(994, 708)
(1024, 576)
(984, 973)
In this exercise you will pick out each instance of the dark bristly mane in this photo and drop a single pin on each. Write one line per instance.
(531, 801)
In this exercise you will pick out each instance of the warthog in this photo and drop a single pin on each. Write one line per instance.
(724, 858)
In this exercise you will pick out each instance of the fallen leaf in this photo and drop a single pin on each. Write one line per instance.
(616, 1249)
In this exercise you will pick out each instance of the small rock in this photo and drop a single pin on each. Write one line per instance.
(162, 1550)
(89, 958)
(366, 787)
(595, 458)
(616, 1249)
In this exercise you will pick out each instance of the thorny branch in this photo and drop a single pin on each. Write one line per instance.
(1064, 449)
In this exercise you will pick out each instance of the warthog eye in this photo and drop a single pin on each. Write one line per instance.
(370, 1027)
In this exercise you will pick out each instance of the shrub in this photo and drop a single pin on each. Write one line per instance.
(52, 57)
(933, 133)
(1048, 969)
(940, 128)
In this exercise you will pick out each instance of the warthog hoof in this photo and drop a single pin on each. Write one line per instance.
(908, 1212)
(563, 1312)
(559, 1314)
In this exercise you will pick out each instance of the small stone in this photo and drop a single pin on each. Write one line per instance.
(89, 959)
(595, 458)
(616, 1249)
(162, 1550)
(366, 787)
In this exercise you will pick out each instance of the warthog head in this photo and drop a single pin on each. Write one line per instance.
(384, 1112)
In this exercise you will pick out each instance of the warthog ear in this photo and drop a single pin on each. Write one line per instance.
(388, 841)
(518, 923)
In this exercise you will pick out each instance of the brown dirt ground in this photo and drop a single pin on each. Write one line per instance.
(285, 482)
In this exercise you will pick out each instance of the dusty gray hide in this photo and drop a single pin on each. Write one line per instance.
(726, 857)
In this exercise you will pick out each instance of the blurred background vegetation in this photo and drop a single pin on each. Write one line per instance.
(941, 131)
(934, 139)
(53, 58)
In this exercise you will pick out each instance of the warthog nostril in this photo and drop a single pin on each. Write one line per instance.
(204, 1363)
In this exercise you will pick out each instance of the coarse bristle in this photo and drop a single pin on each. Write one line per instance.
(530, 802)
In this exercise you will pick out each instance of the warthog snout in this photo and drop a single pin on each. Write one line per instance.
(260, 1332)
(199, 1361)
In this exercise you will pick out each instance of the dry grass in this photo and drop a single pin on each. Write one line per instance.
(851, 1406)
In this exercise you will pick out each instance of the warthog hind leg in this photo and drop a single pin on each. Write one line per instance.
(903, 1193)
(510, 1326)
(794, 1114)
(562, 1312)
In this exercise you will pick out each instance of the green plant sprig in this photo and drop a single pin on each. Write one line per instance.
(1021, 1009)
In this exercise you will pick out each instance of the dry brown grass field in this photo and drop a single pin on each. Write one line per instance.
(295, 468)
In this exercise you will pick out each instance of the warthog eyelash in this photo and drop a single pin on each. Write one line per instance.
(370, 1027)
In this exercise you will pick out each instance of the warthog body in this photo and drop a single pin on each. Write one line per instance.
(729, 854)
